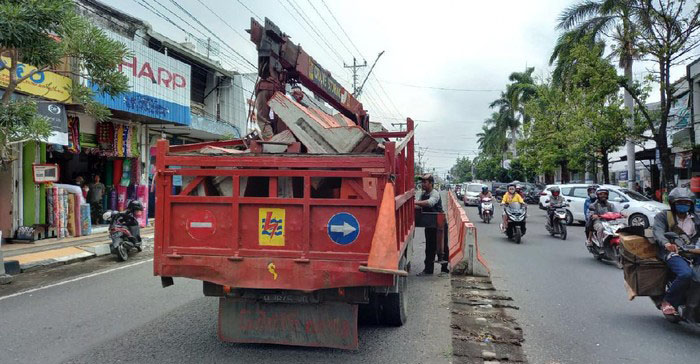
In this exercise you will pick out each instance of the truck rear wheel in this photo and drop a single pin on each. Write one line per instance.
(393, 308)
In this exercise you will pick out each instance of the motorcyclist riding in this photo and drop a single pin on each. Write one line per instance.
(599, 207)
(485, 193)
(681, 219)
(509, 197)
(591, 199)
(556, 200)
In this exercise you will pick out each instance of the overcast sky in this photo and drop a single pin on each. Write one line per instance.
(471, 45)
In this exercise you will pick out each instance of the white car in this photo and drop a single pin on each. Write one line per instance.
(641, 210)
(470, 193)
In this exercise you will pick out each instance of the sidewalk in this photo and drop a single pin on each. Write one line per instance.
(50, 252)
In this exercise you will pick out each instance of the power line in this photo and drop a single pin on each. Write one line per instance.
(331, 29)
(252, 12)
(304, 17)
(212, 33)
(341, 28)
(155, 11)
(225, 22)
(124, 28)
(431, 121)
(442, 88)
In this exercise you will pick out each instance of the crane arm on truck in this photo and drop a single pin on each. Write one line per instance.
(280, 61)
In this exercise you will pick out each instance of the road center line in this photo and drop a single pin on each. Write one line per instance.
(75, 279)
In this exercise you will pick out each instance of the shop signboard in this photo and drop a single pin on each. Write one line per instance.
(46, 84)
(159, 85)
(56, 114)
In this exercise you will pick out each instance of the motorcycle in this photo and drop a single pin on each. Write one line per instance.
(689, 311)
(125, 233)
(557, 224)
(486, 210)
(609, 247)
(516, 215)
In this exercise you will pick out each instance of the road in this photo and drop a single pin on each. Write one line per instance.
(101, 311)
(574, 309)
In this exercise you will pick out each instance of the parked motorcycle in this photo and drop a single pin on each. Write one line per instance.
(689, 311)
(557, 224)
(609, 247)
(124, 229)
(516, 215)
(486, 210)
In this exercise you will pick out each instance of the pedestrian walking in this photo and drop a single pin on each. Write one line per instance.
(95, 194)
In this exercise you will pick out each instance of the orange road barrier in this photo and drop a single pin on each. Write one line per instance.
(463, 242)
(383, 255)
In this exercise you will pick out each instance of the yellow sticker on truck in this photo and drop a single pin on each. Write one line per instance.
(272, 226)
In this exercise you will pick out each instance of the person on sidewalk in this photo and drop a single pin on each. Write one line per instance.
(430, 201)
(95, 194)
(682, 220)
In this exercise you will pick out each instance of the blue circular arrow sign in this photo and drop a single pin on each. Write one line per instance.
(343, 228)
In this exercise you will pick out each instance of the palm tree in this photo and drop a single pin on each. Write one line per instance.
(511, 104)
(598, 19)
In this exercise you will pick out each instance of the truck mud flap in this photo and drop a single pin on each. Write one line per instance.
(327, 324)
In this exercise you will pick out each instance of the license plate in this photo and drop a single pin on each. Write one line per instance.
(285, 298)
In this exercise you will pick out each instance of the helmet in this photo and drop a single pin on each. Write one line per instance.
(681, 194)
(602, 190)
(518, 187)
(484, 189)
(555, 189)
(135, 205)
(511, 185)
(592, 188)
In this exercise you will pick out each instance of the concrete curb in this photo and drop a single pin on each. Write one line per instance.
(51, 262)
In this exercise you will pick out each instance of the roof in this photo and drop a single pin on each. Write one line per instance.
(192, 55)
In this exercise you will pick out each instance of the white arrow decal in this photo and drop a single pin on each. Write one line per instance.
(345, 229)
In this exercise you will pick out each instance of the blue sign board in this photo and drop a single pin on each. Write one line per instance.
(343, 228)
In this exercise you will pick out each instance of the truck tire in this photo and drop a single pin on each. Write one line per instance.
(368, 314)
(394, 309)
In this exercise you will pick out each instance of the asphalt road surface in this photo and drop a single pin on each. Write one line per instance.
(101, 311)
(573, 308)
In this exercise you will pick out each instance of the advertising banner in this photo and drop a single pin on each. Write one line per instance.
(45, 84)
(159, 85)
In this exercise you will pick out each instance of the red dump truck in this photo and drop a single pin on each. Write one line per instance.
(295, 240)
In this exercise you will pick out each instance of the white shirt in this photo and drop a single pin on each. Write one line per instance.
(687, 225)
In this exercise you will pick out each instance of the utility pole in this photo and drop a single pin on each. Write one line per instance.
(354, 67)
(359, 91)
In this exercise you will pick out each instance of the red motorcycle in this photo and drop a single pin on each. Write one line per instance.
(608, 246)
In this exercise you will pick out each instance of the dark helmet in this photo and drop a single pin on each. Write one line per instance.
(512, 185)
(681, 194)
(555, 189)
(592, 188)
(135, 205)
(484, 189)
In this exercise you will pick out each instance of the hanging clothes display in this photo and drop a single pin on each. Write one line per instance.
(73, 134)
(126, 173)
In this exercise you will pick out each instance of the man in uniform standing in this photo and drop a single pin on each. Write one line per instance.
(430, 201)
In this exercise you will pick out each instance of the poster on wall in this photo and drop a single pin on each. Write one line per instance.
(56, 113)
(159, 85)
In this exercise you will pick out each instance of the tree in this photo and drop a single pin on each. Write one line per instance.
(668, 32)
(462, 170)
(44, 34)
(511, 104)
(492, 140)
(578, 121)
(591, 20)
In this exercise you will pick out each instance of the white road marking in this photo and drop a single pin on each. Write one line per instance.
(75, 279)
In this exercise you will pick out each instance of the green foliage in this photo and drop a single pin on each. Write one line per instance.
(578, 122)
(462, 170)
(19, 122)
(46, 34)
